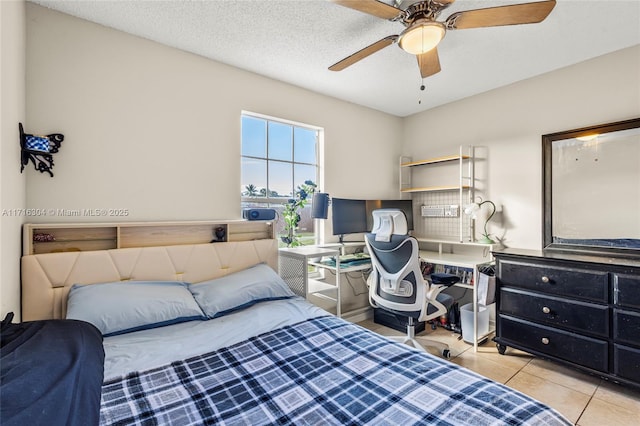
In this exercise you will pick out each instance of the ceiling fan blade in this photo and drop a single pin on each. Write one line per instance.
(429, 63)
(372, 7)
(527, 13)
(363, 53)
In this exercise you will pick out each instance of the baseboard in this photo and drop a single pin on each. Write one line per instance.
(358, 315)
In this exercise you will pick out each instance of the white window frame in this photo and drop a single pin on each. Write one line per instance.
(268, 200)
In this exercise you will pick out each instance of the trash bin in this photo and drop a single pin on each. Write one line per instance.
(466, 320)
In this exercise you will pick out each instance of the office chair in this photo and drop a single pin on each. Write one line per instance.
(396, 283)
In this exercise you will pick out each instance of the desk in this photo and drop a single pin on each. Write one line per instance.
(294, 265)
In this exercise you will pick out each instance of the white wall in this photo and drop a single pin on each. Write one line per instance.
(12, 183)
(508, 123)
(157, 131)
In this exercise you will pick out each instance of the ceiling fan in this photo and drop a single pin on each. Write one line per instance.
(423, 33)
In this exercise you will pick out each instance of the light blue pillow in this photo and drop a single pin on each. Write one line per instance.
(239, 290)
(123, 307)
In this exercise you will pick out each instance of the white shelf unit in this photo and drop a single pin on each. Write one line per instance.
(463, 182)
(471, 256)
(345, 246)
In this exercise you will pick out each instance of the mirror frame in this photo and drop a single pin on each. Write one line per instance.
(547, 196)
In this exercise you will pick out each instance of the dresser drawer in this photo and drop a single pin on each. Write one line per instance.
(582, 350)
(627, 362)
(626, 290)
(626, 327)
(587, 318)
(576, 283)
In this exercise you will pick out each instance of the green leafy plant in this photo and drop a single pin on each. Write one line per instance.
(291, 213)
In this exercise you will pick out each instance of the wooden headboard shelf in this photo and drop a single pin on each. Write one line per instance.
(40, 238)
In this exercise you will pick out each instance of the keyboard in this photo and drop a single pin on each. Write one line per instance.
(349, 260)
(355, 262)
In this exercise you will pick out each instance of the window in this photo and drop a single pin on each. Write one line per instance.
(277, 157)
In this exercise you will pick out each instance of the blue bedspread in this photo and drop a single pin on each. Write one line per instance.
(322, 371)
(52, 373)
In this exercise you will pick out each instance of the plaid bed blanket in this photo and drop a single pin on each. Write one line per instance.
(323, 371)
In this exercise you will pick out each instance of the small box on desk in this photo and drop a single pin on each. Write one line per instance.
(382, 317)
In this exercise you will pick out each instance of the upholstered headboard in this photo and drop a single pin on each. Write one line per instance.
(47, 278)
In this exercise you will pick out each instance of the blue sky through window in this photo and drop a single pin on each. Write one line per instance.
(276, 157)
(254, 137)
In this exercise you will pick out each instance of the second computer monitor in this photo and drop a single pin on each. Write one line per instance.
(405, 205)
(355, 216)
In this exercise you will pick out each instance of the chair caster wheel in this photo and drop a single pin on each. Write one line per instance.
(501, 348)
(446, 354)
(434, 326)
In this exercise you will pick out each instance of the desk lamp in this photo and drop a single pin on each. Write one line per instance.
(320, 205)
(473, 209)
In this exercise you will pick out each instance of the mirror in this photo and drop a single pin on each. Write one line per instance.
(591, 192)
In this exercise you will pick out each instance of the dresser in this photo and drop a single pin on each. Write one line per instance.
(579, 310)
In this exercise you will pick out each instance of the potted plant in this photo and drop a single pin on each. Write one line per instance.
(291, 213)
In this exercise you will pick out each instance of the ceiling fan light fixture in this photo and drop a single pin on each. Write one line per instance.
(422, 36)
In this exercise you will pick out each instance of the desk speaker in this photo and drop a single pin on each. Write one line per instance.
(259, 214)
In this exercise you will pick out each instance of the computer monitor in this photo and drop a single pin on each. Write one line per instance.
(348, 216)
(405, 205)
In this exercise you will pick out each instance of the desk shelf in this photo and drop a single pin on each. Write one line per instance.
(344, 267)
(475, 255)
(296, 262)
(443, 159)
(454, 259)
(435, 188)
(322, 289)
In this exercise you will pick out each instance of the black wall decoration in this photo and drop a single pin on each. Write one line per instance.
(39, 150)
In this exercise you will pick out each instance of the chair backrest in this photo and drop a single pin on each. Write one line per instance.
(396, 284)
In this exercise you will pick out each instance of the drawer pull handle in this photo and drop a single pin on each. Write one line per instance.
(545, 341)
(545, 279)
(546, 310)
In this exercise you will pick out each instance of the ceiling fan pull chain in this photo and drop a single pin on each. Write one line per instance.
(422, 87)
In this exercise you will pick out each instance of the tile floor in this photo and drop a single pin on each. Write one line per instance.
(583, 399)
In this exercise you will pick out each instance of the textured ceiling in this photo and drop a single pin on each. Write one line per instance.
(295, 41)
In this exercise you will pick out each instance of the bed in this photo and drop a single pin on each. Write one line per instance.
(255, 353)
